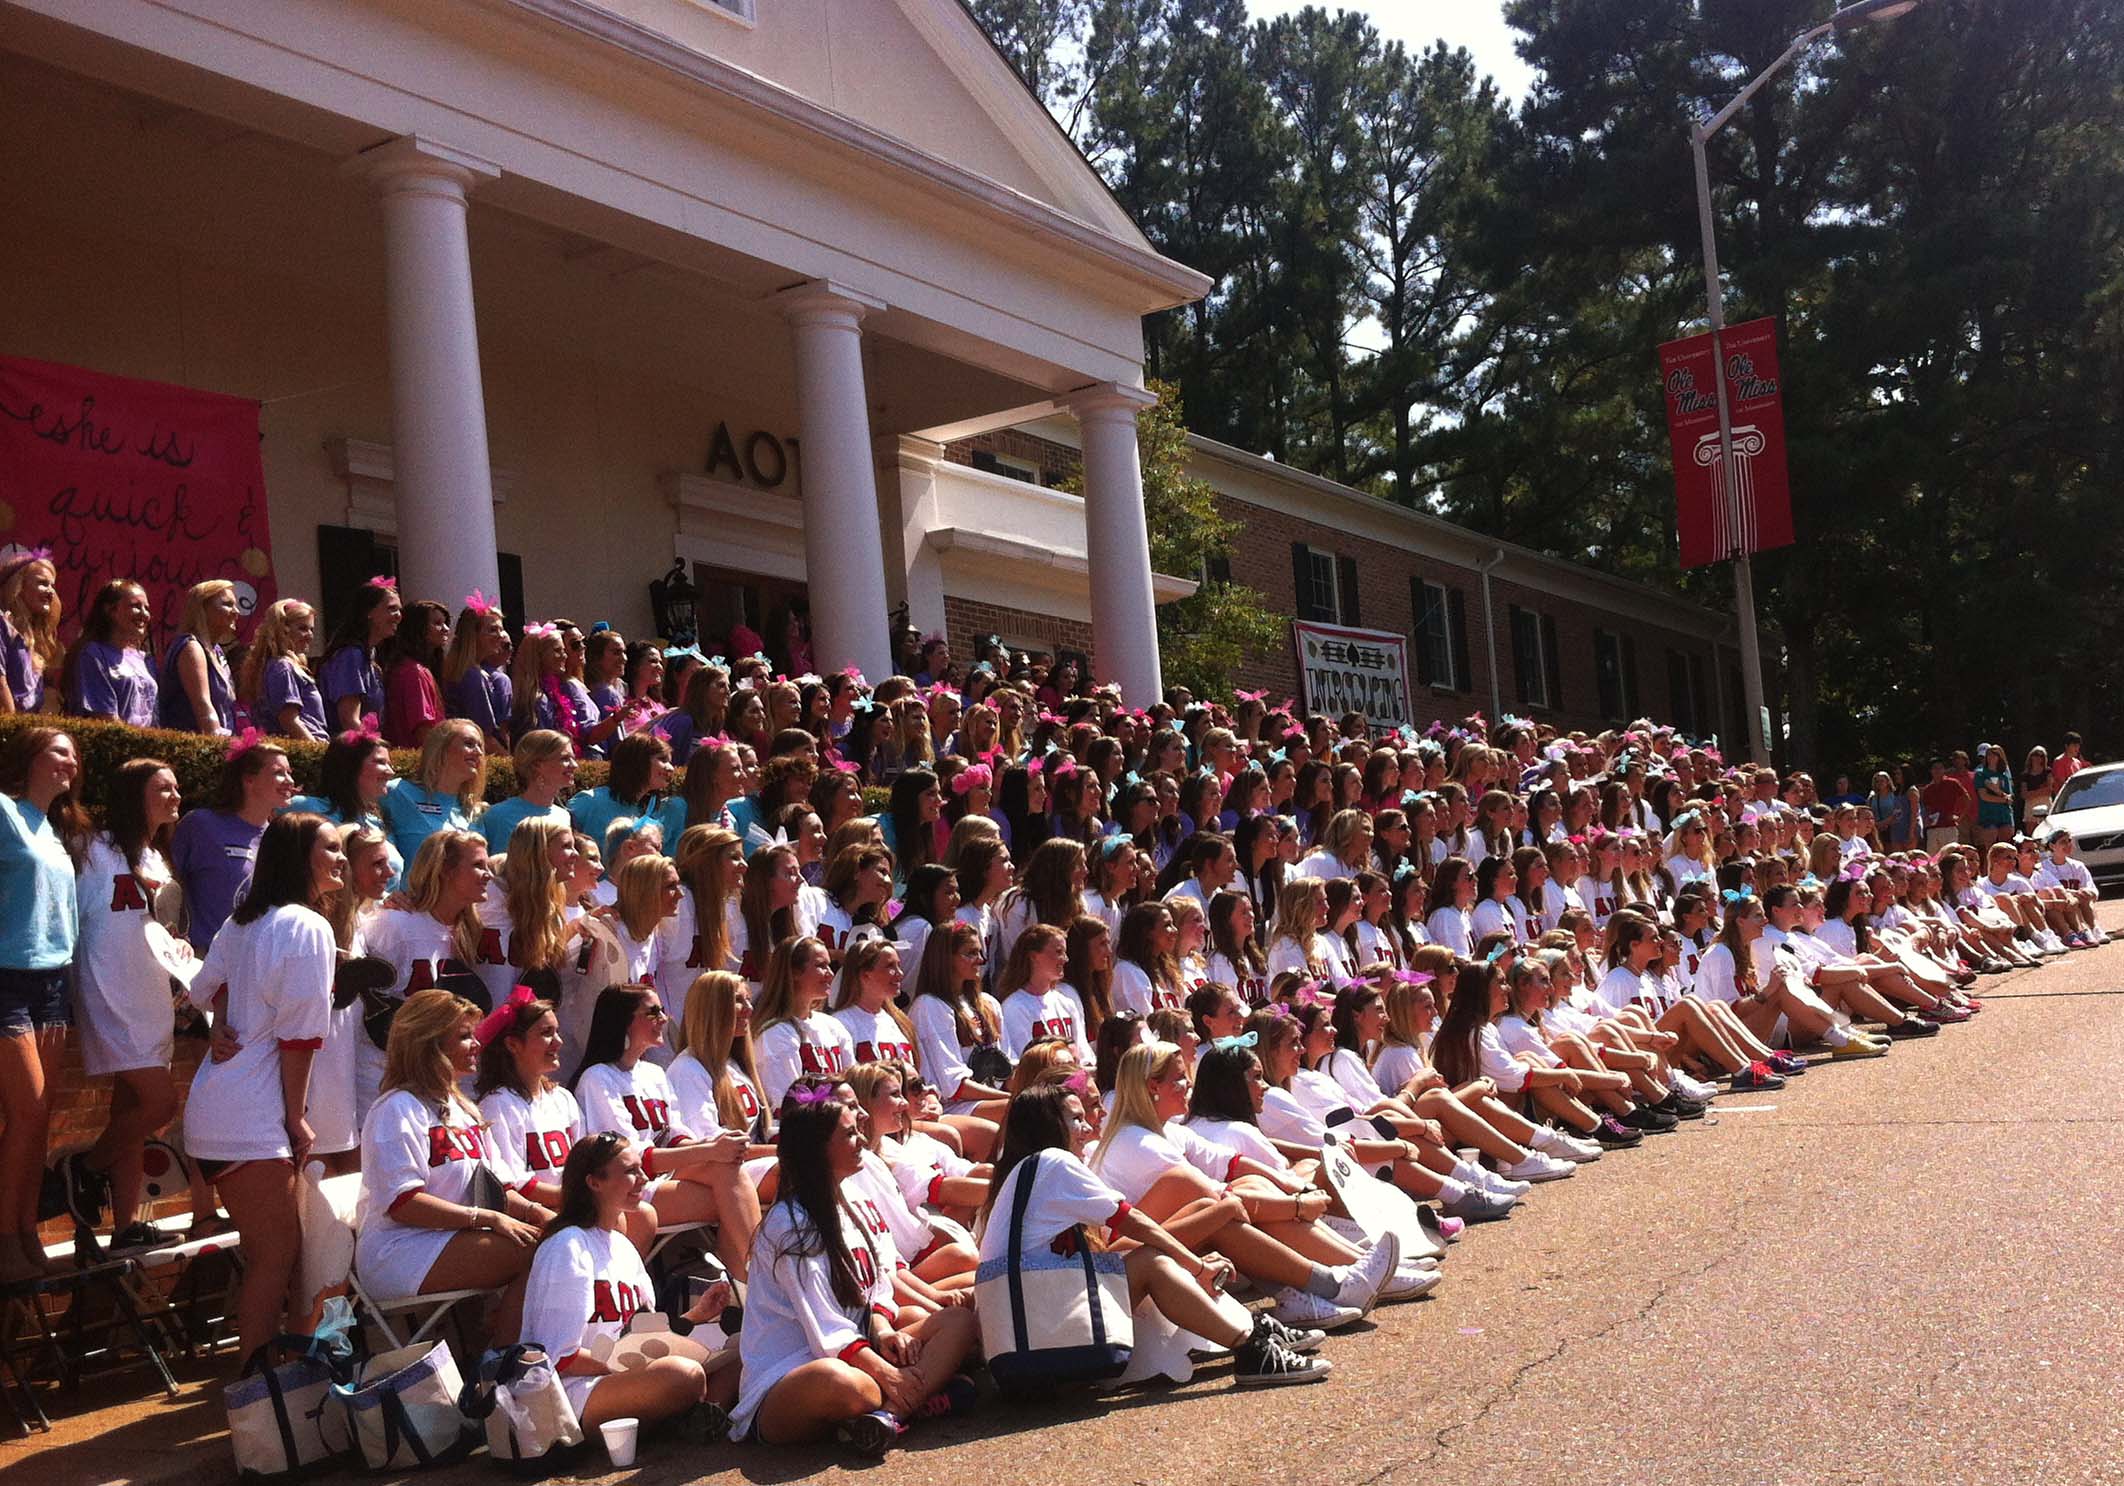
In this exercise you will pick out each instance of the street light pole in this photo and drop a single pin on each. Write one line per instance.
(1714, 303)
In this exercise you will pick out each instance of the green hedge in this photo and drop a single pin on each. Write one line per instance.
(197, 760)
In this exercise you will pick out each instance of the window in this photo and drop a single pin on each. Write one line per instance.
(1441, 635)
(1536, 665)
(1324, 585)
(1615, 666)
(737, 10)
(1688, 692)
(1003, 464)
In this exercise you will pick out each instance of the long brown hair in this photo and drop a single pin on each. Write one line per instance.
(17, 753)
(973, 1019)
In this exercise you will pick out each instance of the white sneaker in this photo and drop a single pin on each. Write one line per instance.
(1362, 1281)
(1295, 1308)
(1409, 1284)
(1693, 1088)
(1497, 1184)
(1564, 1147)
(1540, 1168)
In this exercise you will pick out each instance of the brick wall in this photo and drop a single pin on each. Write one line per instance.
(1055, 462)
(80, 1106)
(1020, 628)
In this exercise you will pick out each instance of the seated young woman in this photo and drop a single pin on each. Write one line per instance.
(953, 1020)
(587, 1282)
(715, 1078)
(822, 1351)
(1265, 1221)
(1847, 927)
(696, 1180)
(1043, 1141)
(427, 1167)
(1636, 994)
(924, 1250)
(1843, 986)
(1730, 982)
(1470, 1054)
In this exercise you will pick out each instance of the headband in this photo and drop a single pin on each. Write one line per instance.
(1229, 1044)
(492, 1024)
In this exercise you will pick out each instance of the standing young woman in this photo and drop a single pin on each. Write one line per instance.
(427, 1160)
(700, 1179)
(122, 993)
(413, 701)
(716, 1077)
(538, 684)
(532, 1117)
(435, 936)
(820, 1350)
(1994, 796)
(39, 769)
(545, 765)
(353, 681)
(268, 978)
(352, 780)
(107, 671)
(212, 849)
(275, 682)
(863, 1003)
(637, 784)
(527, 931)
(475, 676)
(335, 1124)
(30, 652)
(197, 693)
(1036, 1003)
(445, 791)
(701, 933)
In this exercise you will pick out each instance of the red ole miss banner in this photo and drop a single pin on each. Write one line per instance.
(1756, 513)
(128, 479)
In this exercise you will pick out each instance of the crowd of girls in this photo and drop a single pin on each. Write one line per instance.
(1153, 962)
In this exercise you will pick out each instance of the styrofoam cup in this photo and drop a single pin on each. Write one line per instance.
(620, 1435)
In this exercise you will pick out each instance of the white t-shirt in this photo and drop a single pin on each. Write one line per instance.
(586, 1284)
(1241, 1138)
(1253, 989)
(1028, 1018)
(1354, 1078)
(416, 946)
(635, 1102)
(791, 1315)
(1286, 1118)
(1396, 1066)
(122, 1004)
(876, 1036)
(532, 1137)
(278, 969)
(1619, 988)
(1136, 1157)
(1557, 899)
(682, 956)
(901, 1233)
(1321, 865)
(693, 1095)
(1066, 1194)
(1097, 905)
(409, 1145)
(1597, 896)
(1374, 945)
(1521, 1036)
(1840, 936)
(1287, 955)
(1495, 916)
(918, 1162)
(838, 929)
(817, 1047)
(938, 1052)
(1496, 1063)
(1134, 990)
(1717, 976)
(2070, 873)
(1449, 926)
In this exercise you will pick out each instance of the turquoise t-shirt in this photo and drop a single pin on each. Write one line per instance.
(411, 814)
(594, 811)
(500, 821)
(38, 923)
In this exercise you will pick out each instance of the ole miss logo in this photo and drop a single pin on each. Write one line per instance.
(647, 1114)
(614, 1301)
(546, 1150)
(126, 896)
(447, 1143)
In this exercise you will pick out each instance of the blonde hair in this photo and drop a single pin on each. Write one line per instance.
(343, 910)
(699, 849)
(776, 1002)
(1132, 1096)
(538, 746)
(1300, 910)
(270, 642)
(857, 961)
(527, 668)
(1040, 1057)
(463, 654)
(42, 631)
(414, 1057)
(641, 893)
(440, 738)
(534, 894)
(194, 622)
(437, 856)
(708, 1030)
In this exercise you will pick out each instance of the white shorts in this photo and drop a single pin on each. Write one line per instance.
(124, 1027)
(394, 1258)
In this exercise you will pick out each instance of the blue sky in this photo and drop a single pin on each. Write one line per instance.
(1477, 25)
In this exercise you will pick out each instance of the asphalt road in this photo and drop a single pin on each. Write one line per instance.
(1894, 1271)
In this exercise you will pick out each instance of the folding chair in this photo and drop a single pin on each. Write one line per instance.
(329, 1208)
(670, 1234)
(110, 1282)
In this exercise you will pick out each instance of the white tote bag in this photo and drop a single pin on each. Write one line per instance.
(284, 1418)
(402, 1408)
(1049, 1319)
(526, 1409)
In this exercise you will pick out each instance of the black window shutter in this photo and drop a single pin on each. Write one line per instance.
(1419, 631)
(1301, 582)
(1631, 705)
(347, 557)
(1457, 608)
(1346, 583)
(1679, 702)
(1516, 632)
(1552, 662)
(511, 567)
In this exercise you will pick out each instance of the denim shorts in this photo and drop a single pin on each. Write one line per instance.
(31, 1000)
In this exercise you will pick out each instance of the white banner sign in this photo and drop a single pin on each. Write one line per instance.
(1354, 670)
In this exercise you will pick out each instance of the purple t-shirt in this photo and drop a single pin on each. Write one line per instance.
(176, 705)
(349, 672)
(484, 697)
(24, 679)
(283, 684)
(113, 683)
(211, 852)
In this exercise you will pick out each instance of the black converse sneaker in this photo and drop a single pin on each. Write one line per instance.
(86, 1190)
(1290, 1338)
(1267, 1363)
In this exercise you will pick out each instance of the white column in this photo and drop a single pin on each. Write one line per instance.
(1124, 611)
(844, 556)
(446, 545)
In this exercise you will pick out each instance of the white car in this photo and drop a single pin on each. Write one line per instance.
(2091, 805)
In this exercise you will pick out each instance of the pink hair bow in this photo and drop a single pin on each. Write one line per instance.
(478, 602)
(966, 781)
(366, 733)
(1064, 767)
(855, 674)
(843, 766)
(244, 742)
(1413, 977)
(1250, 696)
(536, 631)
(388, 584)
(496, 1021)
